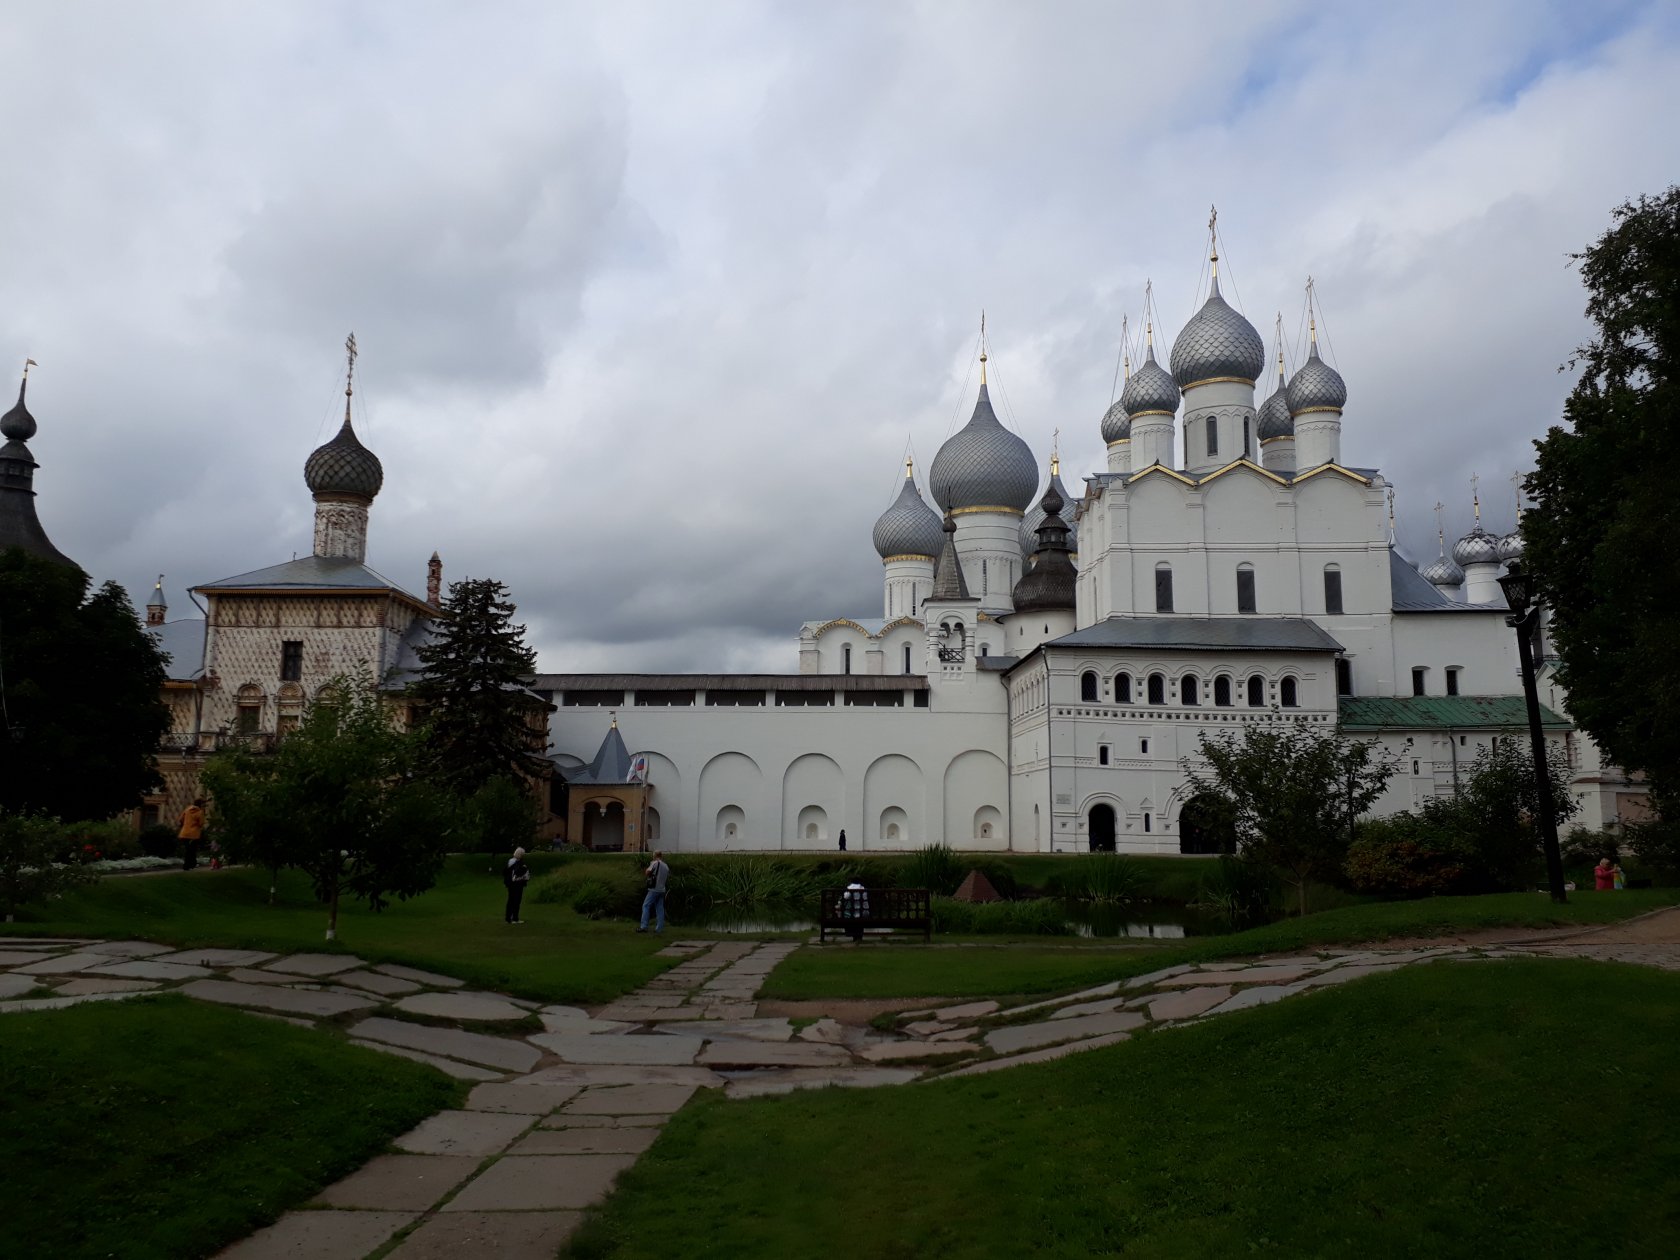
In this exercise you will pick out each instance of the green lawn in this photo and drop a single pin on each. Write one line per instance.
(455, 928)
(840, 971)
(1510, 1108)
(163, 1129)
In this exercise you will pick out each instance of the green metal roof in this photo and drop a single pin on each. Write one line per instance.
(1371, 713)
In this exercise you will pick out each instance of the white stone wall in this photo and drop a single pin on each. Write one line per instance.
(989, 547)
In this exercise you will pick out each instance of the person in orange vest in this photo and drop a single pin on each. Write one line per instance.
(191, 832)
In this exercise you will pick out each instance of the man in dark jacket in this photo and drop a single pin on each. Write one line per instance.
(516, 876)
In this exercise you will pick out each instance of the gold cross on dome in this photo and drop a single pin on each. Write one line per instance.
(350, 371)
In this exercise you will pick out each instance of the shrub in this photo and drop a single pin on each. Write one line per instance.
(1582, 847)
(1414, 855)
(1657, 846)
(935, 867)
(1041, 917)
(1241, 893)
(594, 889)
(1105, 877)
(740, 880)
(159, 841)
(30, 869)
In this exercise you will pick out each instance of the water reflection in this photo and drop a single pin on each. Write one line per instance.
(1165, 923)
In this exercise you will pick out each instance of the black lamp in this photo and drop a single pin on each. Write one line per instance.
(1519, 590)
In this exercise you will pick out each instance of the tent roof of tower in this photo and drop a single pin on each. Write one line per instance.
(313, 573)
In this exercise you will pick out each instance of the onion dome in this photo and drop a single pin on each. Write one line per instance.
(1217, 344)
(1151, 390)
(909, 527)
(1035, 516)
(1049, 582)
(1316, 386)
(17, 425)
(1511, 545)
(1274, 420)
(1443, 573)
(1476, 547)
(984, 465)
(1116, 424)
(344, 466)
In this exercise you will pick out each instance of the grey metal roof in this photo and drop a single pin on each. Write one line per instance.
(1116, 424)
(1241, 634)
(1511, 545)
(1411, 592)
(983, 464)
(948, 580)
(909, 527)
(183, 640)
(611, 763)
(1274, 420)
(1151, 388)
(1316, 385)
(311, 573)
(344, 465)
(1048, 584)
(1217, 342)
(1035, 517)
(730, 682)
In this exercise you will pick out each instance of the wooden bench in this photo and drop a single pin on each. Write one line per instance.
(853, 912)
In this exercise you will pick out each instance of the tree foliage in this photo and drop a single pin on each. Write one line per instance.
(1293, 791)
(1604, 499)
(341, 799)
(80, 680)
(32, 861)
(474, 687)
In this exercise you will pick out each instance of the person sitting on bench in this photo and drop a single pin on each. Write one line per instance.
(854, 904)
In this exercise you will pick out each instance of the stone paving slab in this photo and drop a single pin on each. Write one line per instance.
(373, 982)
(326, 1235)
(769, 1084)
(128, 949)
(268, 998)
(957, 1034)
(248, 975)
(829, 1032)
(460, 1071)
(909, 1051)
(430, 979)
(498, 1052)
(647, 1014)
(524, 1183)
(47, 942)
(1188, 1003)
(731, 1011)
(475, 1133)
(580, 1122)
(614, 1141)
(525, 1100)
(927, 1027)
(771, 1054)
(103, 984)
(144, 969)
(59, 1003)
(1340, 975)
(18, 957)
(630, 1100)
(1039, 1056)
(1090, 1008)
(661, 1049)
(409, 1183)
(966, 1010)
(563, 1012)
(503, 1235)
(1258, 996)
(12, 986)
(61, 964)
(1150, 979)
(1030, 1036)
(739, 1029)
(475, 1006)
(1238, 975)
(215, 957)
(316, 964)
(1050, 1004)
(620, 1074)
(566, 1024)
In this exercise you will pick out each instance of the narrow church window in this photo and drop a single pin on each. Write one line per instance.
(1222, 691)
(1452, 681)
(1286, 693)
(906, 658)
(1344, 676)
(1189, 692)
(1143, 746)
(1088, 687)
(1256, 691)
(1157, 689)
(846, 658)
(1248, 445)
(1123, 688)
(1102, 754)
(1146, 821)
(1332, 590)
(1245, 589)
(1163, 588)
(1213, 435)
(291, 661)
(1418, 675)
(1414, 765)
(983, 587)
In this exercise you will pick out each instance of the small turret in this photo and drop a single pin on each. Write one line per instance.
(344, 476)
(157, 607)
(19, 526)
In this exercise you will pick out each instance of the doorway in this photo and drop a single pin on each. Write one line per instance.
(1100, 828)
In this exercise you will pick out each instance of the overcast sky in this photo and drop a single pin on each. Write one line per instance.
(651, 297)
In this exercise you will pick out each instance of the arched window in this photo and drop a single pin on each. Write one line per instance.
(1213, 435)
(906, 658)
(1146, 822)
(1157, 689)
(1222, 691)
(1256, 691)
(1189, 691)
(1332, 589)
(1245, 588)
(846, 658)
(1286, 693)
(1122, 688)
(1163, 588)
(1088, 687)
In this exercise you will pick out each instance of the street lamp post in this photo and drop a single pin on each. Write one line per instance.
(1525, 615)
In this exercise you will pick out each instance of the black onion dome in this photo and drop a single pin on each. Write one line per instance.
(1116, 424)
(1035, 517)
(1316, 386)
(909, 527)
(17, 425)
(1049, 583)
(1217, 342)
(1150, 390)
(984, 465)
(1274, 420)
(344, 466)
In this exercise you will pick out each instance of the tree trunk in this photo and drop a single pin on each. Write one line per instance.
(332, 916)
(1301, 887)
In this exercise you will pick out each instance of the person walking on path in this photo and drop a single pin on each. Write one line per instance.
(1604, 875)
(191, 832)
(658, 874)
(842, 839)
(515, 875)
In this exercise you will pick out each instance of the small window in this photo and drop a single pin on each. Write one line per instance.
(983, 586)
(1213, 435)
(1143, 746)
(1286, 693)
(250, 717)
(1088, 687)
(1102, 754)
(1256, 691)
(1344, 676)
(906, 658)
(1332, 590)
(921, 700)
(1146, 822)
(1248, 442)
(1245, 589)
(985, 649)
(1452, 681)
(1157, 689)
(1222, 691)
(846, 658)
(1414, 765)
(1163, 588)
(291, 661)
(1122, 688)
(1418, 674)
(1189, 691)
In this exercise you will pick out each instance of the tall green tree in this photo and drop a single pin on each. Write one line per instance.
(342, 798)
(482, 720)
(1598, 540)
(80, 680)
(1292, 791)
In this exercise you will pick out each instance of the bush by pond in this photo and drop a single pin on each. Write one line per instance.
(1039, 917)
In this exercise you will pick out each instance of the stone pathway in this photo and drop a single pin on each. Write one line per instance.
(555, 1116)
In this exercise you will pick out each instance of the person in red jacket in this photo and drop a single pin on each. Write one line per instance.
(1604, 875)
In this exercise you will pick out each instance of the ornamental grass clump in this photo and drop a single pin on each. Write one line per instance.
(741, 881)
(1102, 877)
(935, 867)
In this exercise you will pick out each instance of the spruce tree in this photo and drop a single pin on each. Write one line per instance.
(482, 720)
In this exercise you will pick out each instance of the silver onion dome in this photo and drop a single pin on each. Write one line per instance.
(1443, 573)
(1511, 545)
(909, 527)
(344, 466)
(1316, 386)
(984, 465)
(1217, 343)
(1150, 390)
(1035, 516)
(1116, 424)
(1274, 420)
(1476, 547)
